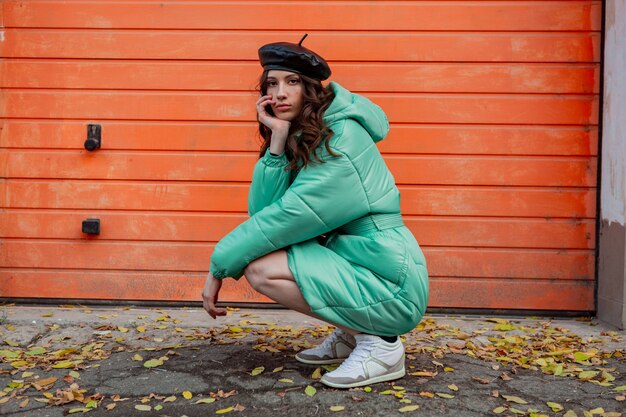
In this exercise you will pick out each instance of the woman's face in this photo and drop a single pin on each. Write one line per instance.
(287, 92)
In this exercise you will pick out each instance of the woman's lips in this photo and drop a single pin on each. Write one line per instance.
(283, 107)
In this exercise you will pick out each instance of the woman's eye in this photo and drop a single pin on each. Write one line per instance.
(294, 81)
(271, 83)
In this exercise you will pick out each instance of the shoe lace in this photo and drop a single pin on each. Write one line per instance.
(327, 343)
(361, 352)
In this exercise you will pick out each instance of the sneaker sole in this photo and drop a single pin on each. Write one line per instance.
(320, 361)
(381, 378)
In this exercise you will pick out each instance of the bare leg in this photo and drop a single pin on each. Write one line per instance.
(270, 275)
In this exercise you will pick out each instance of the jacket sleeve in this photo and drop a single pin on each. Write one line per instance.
(323, 197)
(270, 180)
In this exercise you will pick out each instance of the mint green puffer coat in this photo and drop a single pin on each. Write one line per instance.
(369, 274)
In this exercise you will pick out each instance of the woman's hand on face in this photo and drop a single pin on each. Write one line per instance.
(210, 295)
(276, 125)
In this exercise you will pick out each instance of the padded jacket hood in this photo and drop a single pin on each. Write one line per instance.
(347, 105)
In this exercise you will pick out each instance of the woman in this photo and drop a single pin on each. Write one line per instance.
(326, 237)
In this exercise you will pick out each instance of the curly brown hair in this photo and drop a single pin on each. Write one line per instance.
(308, 130)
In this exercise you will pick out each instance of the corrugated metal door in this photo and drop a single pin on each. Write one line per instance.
(494, 111)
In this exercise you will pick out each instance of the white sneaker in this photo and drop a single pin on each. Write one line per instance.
(334, 349)
(372, 360)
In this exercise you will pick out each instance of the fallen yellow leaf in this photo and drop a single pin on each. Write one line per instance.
(187, 395)
(63, 365)
(587, 374)
(514, 399)
(46, 381)
(408, 408)
(79, 410)
(556, 407)
(205, 401)
(153, 363)
(317, 373)
(257, 371)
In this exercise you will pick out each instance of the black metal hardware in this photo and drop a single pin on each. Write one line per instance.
(91, 226)
(94, 140)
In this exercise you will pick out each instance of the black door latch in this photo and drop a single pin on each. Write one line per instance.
(91, 226)
(94, 140)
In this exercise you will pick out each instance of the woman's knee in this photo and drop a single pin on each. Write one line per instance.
(257, 276)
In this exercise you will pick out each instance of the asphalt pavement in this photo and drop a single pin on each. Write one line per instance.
(127, 361)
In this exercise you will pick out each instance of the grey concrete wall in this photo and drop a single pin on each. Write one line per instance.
(612, 245)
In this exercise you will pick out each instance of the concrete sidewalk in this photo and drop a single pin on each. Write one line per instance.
(179, 362)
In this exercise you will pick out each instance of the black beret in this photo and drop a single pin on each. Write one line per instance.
(294, 57)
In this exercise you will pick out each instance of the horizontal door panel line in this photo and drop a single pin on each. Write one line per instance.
(408, 153)
(582, 126)
(209, 245)
(506, 280)
(195, 273)
(372, 61)
(252, 93)
(165, 182)
(250, 90)
(251, 124)
(238, 184)
(218, 214)
(340, 64)
(311, 32)
(213, 242)
(189, 151)
(338, 31)
(254, 154)
(540, 220)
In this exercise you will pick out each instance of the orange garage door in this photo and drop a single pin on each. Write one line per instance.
(493, 106)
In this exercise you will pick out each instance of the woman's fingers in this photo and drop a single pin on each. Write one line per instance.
(218, 312)
(264, 98)
(261, 106)
(215, 311)
(210, 295)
